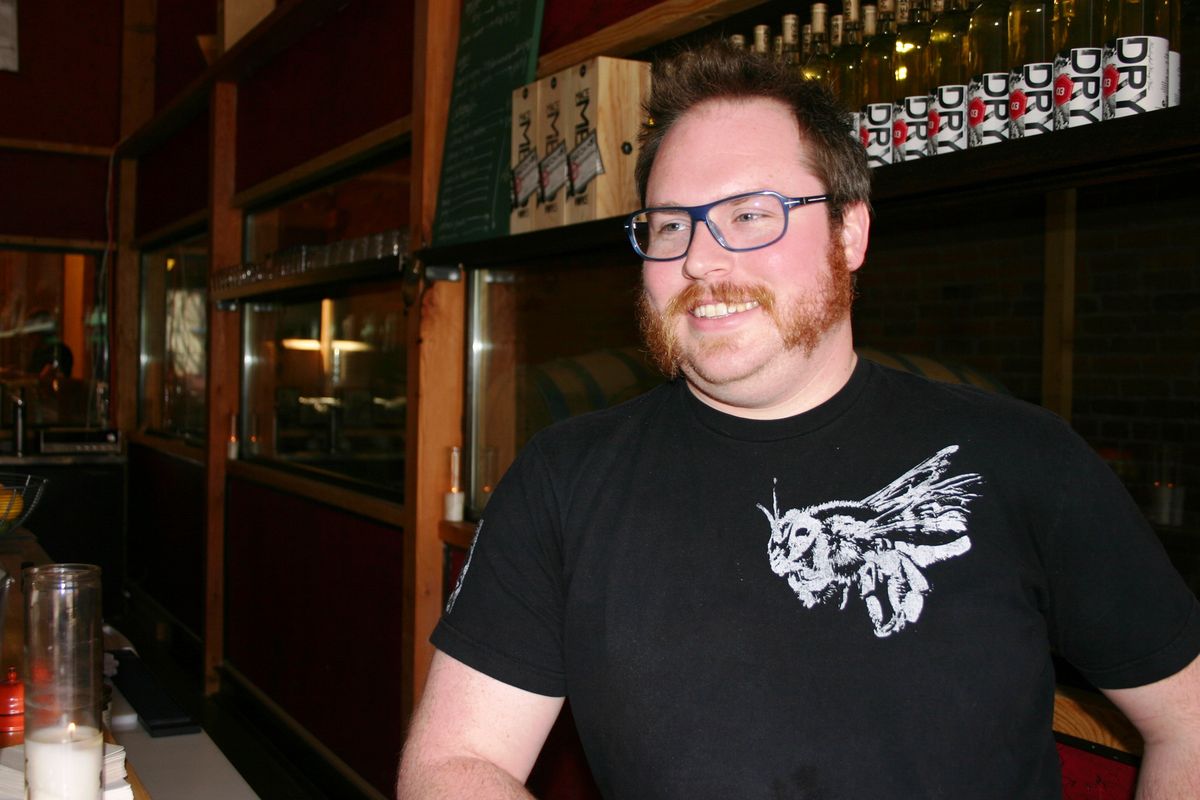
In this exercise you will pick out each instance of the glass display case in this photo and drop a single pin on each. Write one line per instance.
(323, 383)
(546, 343)
(174, 336)
(54, 345)
(324, 368)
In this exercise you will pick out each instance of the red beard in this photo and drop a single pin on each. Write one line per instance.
(801, 325)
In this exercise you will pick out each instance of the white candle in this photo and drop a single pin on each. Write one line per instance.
(64, 763)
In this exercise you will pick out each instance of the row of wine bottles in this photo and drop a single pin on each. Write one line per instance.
(984, 71)
(897, 49)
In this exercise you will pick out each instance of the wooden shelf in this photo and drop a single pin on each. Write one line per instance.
(1155, 143)
(386, 267)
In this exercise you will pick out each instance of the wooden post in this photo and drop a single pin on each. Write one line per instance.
(1058, 348)
(435, 347)
(225, 249)
(137, 106)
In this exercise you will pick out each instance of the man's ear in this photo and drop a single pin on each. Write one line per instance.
(856, 228)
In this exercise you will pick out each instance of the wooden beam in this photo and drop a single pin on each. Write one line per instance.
(137, 106)
(435, 347)
(340, 158)
(225, 249)
(1058, 339)
(657, 24)
(57, 148)
(52, 243)
(195, 222)
(322, 491)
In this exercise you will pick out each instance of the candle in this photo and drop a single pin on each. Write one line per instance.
(64, 763)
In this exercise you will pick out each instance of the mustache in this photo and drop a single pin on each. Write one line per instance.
(727, 292)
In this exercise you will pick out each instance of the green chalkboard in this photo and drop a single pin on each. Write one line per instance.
(497, 53)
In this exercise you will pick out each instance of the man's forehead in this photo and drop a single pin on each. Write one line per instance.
(729, 145)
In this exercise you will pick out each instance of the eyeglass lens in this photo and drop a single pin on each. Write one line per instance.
(740, 223)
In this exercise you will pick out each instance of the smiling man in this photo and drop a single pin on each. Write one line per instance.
(788, 572)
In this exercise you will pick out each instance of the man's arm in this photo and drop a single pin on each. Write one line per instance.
(473, 736)
(1167, 714)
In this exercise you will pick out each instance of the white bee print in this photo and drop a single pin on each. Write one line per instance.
(878, 545)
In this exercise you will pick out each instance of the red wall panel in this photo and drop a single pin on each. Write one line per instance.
(177, 57)
(173, 179)
(314, 612)
(51, 195)
(68, 86)
(347, 77)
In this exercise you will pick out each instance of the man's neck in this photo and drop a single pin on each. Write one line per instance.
(793, 386)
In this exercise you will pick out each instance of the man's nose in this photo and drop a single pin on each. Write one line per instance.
(705, 256)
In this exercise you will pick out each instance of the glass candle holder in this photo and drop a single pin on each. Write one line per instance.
(64, 746)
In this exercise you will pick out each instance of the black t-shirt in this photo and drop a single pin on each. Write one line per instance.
(859, 601)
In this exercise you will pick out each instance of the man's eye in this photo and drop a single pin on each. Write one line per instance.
(672, 226)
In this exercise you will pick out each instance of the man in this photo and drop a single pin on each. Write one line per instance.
(790, 573)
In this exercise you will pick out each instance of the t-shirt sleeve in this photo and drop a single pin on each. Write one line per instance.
(1119, 610)
(504, 617)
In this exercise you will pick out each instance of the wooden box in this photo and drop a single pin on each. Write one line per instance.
(604, 109)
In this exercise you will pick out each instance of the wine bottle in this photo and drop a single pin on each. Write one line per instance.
(951, 78)
(1078, 27)
(910, 118)
(875, 119)
(1031, 82)
(879, 53)
(987, 47)
(819, 66)
(762, 40)
(912, 60)
(847, 59)
(791, 41)
(1137, 59)
(948, 60)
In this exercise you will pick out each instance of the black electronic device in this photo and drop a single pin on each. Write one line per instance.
(78, 440)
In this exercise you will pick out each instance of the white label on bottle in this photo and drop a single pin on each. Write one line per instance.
(948, 119)
(1173, 79)
(876, 132)
(910, 128)
(1031, 100)
(1135, 75)
(987, 109)
(1077, 79)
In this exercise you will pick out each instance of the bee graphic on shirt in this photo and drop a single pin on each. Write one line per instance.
(876, 547)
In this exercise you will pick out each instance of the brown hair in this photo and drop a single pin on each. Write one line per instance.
(718, 71)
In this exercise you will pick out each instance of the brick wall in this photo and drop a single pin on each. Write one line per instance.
(1137, 365)
(967, 288)
(964, 288)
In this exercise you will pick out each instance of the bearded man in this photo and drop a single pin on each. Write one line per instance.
(789, 572)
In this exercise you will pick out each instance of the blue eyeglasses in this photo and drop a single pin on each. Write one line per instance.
(748, 221)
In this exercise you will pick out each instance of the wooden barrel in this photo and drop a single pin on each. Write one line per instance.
(933, 368)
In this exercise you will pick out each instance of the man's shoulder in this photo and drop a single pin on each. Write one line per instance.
(631, 417)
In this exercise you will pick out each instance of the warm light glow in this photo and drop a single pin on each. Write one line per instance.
(903, 46)
(901, 73)
(170, 264)
(345, 345)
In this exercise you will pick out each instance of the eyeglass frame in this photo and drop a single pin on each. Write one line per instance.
(700, 214)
